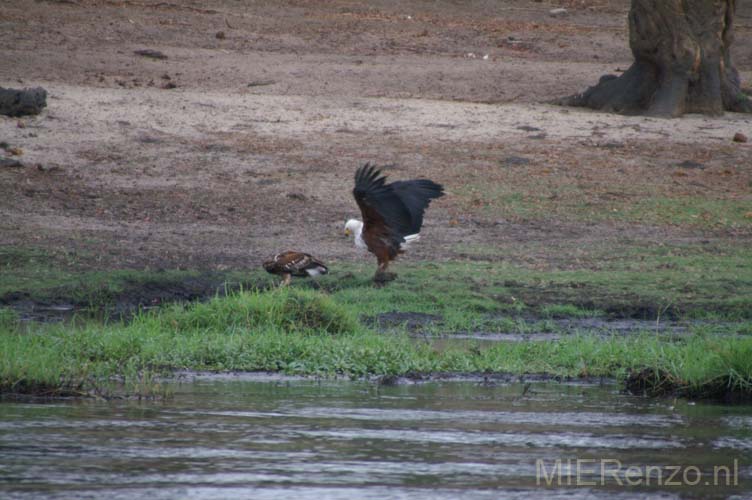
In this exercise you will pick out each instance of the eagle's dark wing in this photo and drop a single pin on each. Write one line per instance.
(385, 217)
(392, 210)
(416, 195)
(295, 263)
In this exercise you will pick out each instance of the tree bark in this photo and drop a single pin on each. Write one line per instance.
(14, 102)
(682, 63)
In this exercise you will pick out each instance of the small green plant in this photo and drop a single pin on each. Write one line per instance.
(9, 320)
(568, 311)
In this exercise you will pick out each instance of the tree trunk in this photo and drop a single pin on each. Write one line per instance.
(682, 62)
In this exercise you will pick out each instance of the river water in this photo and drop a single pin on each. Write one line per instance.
(266, 437)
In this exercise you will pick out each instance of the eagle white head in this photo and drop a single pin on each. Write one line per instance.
(354, 227)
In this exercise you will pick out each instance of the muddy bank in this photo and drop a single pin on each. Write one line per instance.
(77, 389)
(532, 328)
(120, 300)
(647, 382)
(654, 382)
(491, 379)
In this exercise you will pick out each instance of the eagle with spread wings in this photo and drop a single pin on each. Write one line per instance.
(392, 215)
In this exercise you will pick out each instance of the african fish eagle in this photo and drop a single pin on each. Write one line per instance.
(290, 263)
(392, 215)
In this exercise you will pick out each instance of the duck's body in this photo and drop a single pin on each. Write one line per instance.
(291, 263)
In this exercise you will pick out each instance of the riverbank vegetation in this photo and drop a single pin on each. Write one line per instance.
(314, 332)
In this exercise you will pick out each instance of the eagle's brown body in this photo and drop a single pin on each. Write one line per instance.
(392, 213)
(290, 263)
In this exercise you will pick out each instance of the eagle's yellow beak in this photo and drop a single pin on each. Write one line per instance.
(347, 232)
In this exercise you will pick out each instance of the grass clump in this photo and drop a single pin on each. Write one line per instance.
(283, 309)
(701, 367)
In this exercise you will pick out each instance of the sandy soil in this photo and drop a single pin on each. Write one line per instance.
(243, 141)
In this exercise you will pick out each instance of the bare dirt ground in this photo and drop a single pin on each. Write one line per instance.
(242, 142)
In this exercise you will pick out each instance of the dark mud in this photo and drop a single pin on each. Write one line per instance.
(492, 379)
(429, 327)
(411, 321)
(408, 379)
(648, 382)
(659, 383)
(64, 303)
(652, 382)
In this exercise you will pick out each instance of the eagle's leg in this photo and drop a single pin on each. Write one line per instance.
(382, 276)
(287, 280)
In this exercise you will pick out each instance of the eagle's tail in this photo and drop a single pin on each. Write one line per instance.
(409, 240)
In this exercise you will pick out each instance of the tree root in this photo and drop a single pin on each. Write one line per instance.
(636, 92)
(15, 102)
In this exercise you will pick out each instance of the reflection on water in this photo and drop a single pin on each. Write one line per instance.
(277, 438)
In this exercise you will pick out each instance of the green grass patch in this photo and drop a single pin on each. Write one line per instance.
(659, 286)
(691, 281)
(9, 319)
(570, 202)
(690, 211)
(647, 282)
(568, 311)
